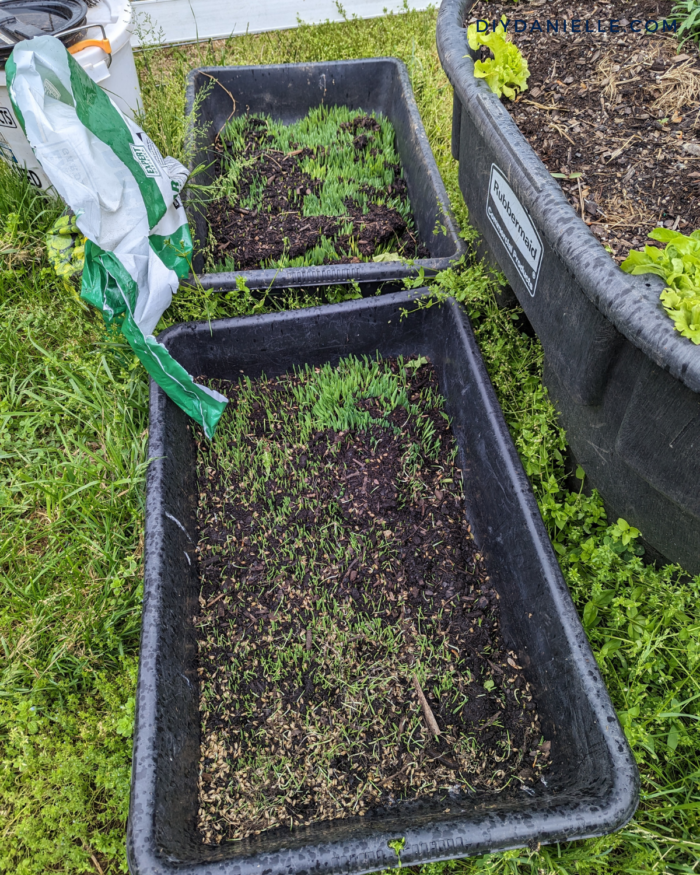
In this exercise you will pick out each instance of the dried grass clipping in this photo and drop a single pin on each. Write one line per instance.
(680, 89)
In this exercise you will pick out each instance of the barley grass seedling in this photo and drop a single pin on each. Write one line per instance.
(364, 617)
(325, 188)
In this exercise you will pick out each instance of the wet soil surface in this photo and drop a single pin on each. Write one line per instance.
(339, 585)
(253, 238)
(619, 110)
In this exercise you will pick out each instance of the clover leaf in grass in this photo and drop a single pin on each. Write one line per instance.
(507, 72)
(678, 264)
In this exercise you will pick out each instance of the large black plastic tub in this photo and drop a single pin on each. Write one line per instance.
(287, 92)
(592, 787)
(625, 382)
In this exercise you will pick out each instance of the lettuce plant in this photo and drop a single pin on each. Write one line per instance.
(679, 266)
(507, 72)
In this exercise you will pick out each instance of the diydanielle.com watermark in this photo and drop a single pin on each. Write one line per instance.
(578, 25)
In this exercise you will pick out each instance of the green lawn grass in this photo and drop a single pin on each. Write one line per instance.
(73, 432)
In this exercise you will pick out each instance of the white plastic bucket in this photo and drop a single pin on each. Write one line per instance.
(118, 79)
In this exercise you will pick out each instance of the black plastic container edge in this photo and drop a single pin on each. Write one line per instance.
(287, 92)
(58, 16)
(592, 786)
(624, 381)
(630, 303)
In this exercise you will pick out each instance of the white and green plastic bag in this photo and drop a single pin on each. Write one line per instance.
(126, 201)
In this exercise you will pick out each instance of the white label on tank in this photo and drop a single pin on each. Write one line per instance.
(514, 227)
(6, 118)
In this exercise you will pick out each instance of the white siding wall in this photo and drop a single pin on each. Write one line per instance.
(179, 21)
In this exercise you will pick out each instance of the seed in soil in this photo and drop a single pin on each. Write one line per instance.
(326, 189)
(349, 644)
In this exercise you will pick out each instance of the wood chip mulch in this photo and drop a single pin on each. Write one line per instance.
(620, 109)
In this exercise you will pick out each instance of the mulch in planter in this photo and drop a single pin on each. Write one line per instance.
(621, 110)
(285, 205)
(340, 584)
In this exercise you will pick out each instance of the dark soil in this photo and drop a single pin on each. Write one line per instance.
(622, 110)
(278, 228)
(357, 569)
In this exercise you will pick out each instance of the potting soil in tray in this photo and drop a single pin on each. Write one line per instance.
(616, 114)
(349, 649)
(326, 189)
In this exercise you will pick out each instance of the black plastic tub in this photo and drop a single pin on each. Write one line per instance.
(592, 785)
(625, 382)
(287, 92)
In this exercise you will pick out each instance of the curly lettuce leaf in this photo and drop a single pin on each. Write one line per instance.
(685, 313)
(507, 72)
(679, 266)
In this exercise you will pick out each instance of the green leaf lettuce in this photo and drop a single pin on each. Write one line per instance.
(507, 72)
(679, 266)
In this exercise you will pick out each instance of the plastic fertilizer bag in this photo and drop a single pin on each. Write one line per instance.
(125, 197)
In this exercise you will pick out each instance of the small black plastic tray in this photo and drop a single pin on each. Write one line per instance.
(287, 92)
(592, 785)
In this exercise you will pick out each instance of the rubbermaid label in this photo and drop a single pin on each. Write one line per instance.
(314, 274)
(513, 225)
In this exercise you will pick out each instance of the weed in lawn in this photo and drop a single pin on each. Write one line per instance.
(25, 214)
(349, 653)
